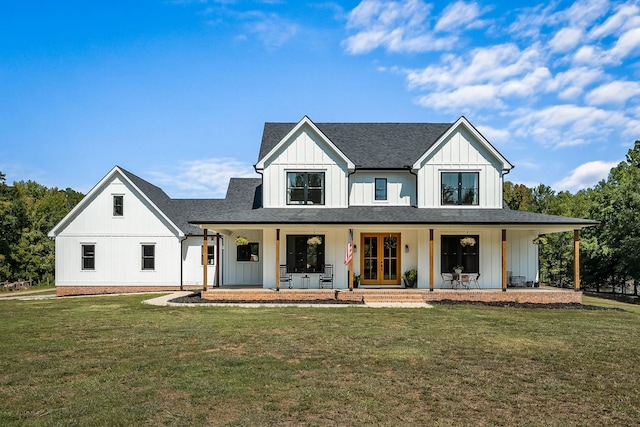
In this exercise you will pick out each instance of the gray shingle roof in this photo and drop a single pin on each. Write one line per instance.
(240, 208)
(368, 145)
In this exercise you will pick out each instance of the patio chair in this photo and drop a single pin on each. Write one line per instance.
(285, 278)
(326, 277)
(473, 279)
(447, 278)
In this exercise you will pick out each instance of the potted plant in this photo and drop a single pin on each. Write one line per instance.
(241, 241)
(410, 277)
(458, 269)
(356, 280)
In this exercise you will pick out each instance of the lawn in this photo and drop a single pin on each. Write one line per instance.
(114, 361)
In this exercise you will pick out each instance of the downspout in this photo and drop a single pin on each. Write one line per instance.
(182, 240)
(410, 169)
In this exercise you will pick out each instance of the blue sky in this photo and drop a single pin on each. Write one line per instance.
(177, 92)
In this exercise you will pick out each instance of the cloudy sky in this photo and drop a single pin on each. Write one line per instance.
(177, 92)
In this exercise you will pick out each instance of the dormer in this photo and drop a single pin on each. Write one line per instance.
(302, 167)
(461, 169)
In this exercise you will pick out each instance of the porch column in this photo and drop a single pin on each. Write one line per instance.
(218, 260)
(277, 259)
(504, 260)
(205, 256)
(576, 260)
(431, 260)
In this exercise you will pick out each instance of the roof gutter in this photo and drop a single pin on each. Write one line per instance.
(410, 169)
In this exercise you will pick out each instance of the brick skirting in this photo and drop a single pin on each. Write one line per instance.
(65, 291)
(535, 296)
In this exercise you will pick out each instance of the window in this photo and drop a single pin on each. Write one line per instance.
(460, 188)
(305, 188)
(88, 257)
(305, 253)
(455, 254)
(118, 205)
(211, 256)
(381, 189)
(248, 252)
(148, 257)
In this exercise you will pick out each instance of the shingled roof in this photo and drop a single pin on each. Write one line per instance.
(368, 145)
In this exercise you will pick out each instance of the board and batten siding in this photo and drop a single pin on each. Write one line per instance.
(401, 188)
(460, 153)
(118, 242)
(192, 272)
(305, 152)
(236, 272)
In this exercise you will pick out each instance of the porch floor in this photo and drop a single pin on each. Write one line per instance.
(520, 295)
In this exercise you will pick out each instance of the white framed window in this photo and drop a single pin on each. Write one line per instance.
(211, 256)
(88, 256)
(118, 205)
(305, 188)
(148, 256)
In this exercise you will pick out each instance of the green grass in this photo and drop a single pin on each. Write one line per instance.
(114, 361)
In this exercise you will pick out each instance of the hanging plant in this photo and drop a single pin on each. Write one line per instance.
(540, 240)
(314, 241)
(468, 241)
(241, 241)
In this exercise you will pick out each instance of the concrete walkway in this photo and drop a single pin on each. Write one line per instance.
(165, 301)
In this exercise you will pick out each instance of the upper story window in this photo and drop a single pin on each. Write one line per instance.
(460, 188)
(118, 205)
(305, 188)
(381, 189)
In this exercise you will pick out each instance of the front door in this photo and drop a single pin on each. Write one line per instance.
(380, 258)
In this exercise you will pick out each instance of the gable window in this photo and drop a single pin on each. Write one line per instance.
(460, 188)
(148, 257)
(88, 257)
(210, 254)
(381, 189)
(248, 252)
(118, 205)
(457, 251)
(305, 253)
(305, 188)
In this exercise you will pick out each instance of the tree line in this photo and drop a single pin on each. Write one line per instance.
(28, 211)
(609, 258)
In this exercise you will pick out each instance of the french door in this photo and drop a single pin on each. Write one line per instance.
(380, 258)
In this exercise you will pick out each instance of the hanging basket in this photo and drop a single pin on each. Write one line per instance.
(468, 241)
(314, 241)
(241, 241)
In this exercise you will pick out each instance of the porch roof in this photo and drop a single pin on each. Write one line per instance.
(243, 206)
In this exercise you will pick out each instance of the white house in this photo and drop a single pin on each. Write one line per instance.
(424, 196)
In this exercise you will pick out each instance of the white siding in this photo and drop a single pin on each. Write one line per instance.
(118, 240)
(460, 152)
(242, 272)
(401, 189)
(306, 152)
(522, 254)
(192, 271)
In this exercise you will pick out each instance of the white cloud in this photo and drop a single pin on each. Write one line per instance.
(206, 178)
(616, 92)
(566, 39)
(463, 99)
(585, 176)
(493, 135)
(270, 28)
(459, 15)
(624, 19)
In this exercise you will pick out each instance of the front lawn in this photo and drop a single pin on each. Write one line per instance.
(114, 361)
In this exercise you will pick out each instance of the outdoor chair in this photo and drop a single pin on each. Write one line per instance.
(326, 277)
(447, 278)
(473, 279)
(285, 278)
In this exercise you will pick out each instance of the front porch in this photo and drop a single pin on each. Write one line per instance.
(543, 295)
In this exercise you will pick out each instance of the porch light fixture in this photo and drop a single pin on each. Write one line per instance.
(406, 248)
(355, 248)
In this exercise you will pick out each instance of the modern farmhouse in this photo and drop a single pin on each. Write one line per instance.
(331, 202)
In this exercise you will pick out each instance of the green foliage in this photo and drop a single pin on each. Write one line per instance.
(28, 211)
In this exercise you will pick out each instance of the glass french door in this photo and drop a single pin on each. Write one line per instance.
(380, 258)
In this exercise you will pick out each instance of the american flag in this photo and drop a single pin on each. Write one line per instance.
(349, 254)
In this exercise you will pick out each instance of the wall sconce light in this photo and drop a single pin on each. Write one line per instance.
(355, 248)
(406, 248)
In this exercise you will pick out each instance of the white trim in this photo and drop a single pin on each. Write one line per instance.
(304, 121)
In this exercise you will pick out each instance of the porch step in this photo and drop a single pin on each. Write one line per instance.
(387, 296)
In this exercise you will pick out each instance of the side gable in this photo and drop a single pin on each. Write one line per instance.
(149, 195)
